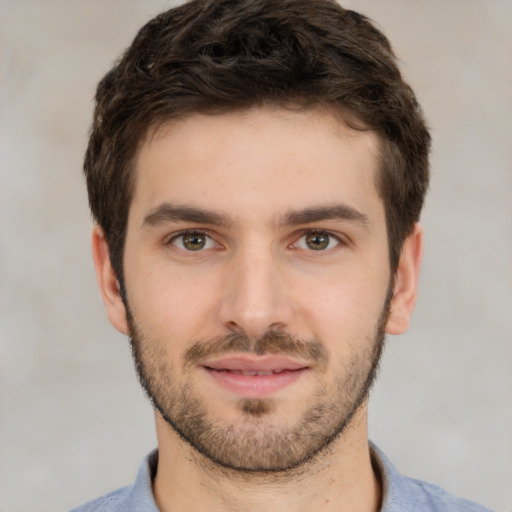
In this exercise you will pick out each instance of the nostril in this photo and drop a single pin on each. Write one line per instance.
(254, 332)
(234, 327)
(277, 326)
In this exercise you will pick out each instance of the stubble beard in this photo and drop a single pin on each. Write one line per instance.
(252, 444)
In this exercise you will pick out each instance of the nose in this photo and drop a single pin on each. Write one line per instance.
(255, 299)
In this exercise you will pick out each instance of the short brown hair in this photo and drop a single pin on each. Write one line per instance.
(213, 56)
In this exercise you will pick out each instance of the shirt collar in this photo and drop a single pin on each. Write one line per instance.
(394, 486)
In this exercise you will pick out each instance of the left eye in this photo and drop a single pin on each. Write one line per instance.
(193, 241)
(317, 241)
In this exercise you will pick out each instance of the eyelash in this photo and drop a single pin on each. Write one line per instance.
(182, 234)
(331, 236)
(340, 241)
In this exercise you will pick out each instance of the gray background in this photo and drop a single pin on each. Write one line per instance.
(73, 422)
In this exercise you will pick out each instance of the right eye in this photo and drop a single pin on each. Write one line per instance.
(318, 241)
(192, 241)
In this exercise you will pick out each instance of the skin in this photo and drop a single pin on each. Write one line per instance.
(257, 274)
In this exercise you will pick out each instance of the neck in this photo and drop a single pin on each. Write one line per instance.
(340, 478)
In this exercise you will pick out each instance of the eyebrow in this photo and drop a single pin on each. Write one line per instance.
(330, 212)
(168, 212)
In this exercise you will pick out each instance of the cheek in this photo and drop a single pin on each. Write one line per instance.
(170, 303)
(343, 308)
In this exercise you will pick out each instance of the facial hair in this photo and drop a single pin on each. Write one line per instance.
(252, 444)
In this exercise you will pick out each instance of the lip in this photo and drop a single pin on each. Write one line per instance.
(255, 377)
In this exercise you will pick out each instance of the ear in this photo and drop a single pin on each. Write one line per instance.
(405, 288)
(107, 281)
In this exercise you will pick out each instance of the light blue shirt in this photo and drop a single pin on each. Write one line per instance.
(400, 494)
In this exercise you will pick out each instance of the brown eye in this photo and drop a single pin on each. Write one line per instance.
(317, 241)
(193, 241)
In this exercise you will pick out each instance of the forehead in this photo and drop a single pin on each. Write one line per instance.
(262, 159)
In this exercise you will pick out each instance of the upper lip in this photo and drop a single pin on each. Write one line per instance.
(255, 364)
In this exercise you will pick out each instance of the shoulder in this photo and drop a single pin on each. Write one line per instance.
(137, 497)
(423, 496)
(402, 494)
(112, 502)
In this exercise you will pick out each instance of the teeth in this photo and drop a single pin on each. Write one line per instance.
(253, 373)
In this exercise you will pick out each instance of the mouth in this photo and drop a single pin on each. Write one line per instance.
(249, 377)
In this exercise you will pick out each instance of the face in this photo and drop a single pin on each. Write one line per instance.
(257, 281)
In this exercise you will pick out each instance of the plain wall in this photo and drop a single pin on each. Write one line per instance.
(73, 421)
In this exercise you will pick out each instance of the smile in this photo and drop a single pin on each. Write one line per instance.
(255, 378)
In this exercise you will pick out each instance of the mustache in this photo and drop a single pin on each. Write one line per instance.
(274, 342)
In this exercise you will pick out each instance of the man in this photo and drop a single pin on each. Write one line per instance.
(256, 170)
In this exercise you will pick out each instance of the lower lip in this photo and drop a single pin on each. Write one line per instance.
(255, 386)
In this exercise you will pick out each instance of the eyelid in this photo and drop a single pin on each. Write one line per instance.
(175, 236)
(338, 238)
